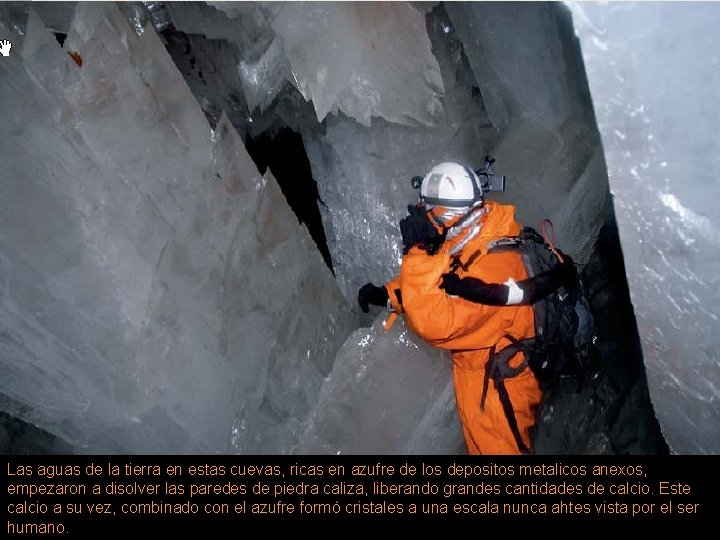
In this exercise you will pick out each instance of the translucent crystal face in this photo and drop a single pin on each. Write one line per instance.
(660, 138)
(154, 302)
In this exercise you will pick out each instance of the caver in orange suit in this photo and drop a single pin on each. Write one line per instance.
(471, 330)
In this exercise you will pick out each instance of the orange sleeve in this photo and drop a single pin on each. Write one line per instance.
(445, 321)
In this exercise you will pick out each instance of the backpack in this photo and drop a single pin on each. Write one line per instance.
(564, 328)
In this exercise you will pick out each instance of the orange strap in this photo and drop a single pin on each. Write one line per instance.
(549, 237)
(388, 323)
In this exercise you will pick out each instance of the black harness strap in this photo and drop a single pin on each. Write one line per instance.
(498, 367)
(510, 415)
(457, 263)
(471, 260)
(488, 370)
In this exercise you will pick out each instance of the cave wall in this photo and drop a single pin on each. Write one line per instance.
(197, 316)
(653, 72)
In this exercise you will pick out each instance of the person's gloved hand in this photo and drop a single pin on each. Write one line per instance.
(416, 230)
(371, 294)
(452, 283)
(475, 290)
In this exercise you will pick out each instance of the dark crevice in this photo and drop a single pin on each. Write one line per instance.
(607, 409)
(216, 88)
(21, 438)
(630, 418)
(60, 38)
(284, 153)
(273, 144)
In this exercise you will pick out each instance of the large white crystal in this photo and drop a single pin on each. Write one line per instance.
(363, 58)
(264, 79)
(152, 279)
(515, 50)
(527, 64)
(389, 393)
(654, 77)
(244, 24)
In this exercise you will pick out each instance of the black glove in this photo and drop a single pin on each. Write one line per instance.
(416, 229)
(497, 294)
(370, 294)
(452, 284)
(475, 290)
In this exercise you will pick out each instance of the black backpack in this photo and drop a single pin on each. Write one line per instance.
(564, 328)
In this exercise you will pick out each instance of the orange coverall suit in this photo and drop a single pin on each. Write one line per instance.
(469, 330)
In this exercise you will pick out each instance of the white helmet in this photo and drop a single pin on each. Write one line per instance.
(452, 185)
